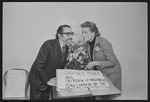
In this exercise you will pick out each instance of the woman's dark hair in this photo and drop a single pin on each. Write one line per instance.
(92, 26)
(60, 30)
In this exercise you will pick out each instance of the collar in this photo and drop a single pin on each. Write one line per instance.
(61, 43)
(92, 39)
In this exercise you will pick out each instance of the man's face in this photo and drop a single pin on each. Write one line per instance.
(66, 36)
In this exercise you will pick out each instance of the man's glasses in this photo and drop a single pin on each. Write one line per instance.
(69, 33)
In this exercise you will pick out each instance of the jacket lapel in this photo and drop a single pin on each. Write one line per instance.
(62, 57)
(96, 43)
(59, 49)
(94, 48)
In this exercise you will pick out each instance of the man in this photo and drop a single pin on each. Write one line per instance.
(51, 56)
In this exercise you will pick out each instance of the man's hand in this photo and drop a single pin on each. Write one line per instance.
(52, 82)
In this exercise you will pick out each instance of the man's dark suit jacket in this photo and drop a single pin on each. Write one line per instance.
(48, 60)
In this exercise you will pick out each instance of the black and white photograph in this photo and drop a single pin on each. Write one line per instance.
(75, 51)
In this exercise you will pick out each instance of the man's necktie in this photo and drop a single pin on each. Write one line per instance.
(63, 49)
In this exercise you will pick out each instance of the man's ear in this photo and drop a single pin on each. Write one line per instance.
(60, 35)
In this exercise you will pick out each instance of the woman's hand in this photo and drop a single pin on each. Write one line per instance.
(90, 65)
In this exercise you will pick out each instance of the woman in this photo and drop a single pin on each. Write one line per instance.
(101, 54)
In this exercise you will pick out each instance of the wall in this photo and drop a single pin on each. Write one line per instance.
(27, 25)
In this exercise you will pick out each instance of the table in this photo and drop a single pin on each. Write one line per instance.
(111, 91)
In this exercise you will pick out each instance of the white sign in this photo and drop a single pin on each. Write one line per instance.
(70, 79)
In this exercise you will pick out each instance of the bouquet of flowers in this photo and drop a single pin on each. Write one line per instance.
(78, 57)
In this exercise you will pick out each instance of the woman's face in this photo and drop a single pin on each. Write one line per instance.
(87, 34)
